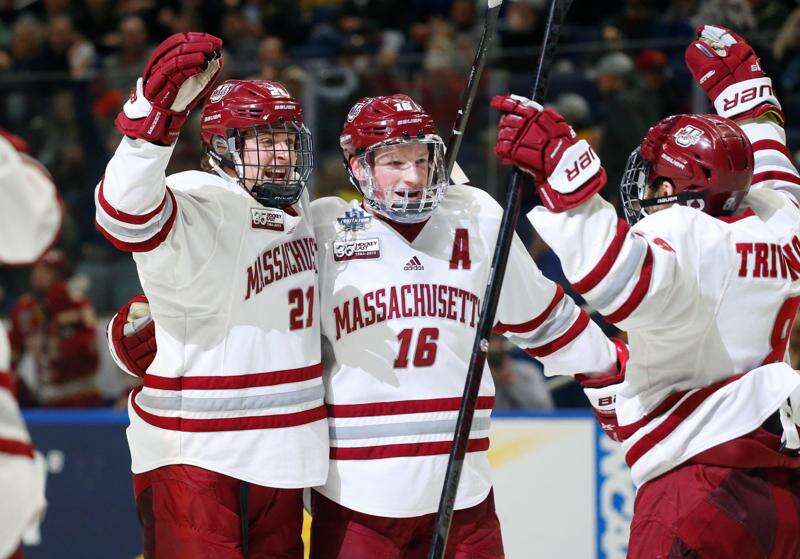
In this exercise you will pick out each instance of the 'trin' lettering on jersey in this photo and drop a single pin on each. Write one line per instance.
(770, 260)
(405, 301)
(282, 261)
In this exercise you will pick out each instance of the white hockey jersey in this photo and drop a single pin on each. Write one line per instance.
(30, 218)
(236, 385)
(400, 309)
(708, 304)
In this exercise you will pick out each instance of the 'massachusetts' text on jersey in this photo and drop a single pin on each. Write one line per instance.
(236, 384)
(400, 312)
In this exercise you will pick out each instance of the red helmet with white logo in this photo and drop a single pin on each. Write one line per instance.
(265, 111)
(707, 158)
(374, 127)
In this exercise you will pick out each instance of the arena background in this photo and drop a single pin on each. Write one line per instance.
(67, 66)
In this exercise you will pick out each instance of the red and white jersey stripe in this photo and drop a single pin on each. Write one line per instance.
(399, 309)
(708, 304)
(236, 385)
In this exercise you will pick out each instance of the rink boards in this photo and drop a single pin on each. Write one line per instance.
(562, 488)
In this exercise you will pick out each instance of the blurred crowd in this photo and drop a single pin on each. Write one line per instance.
(66, 67)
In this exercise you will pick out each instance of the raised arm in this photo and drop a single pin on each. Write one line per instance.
(135, 210)
(729, 71)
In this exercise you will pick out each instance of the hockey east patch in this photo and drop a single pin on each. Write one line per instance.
(263, 218)
(356, 249)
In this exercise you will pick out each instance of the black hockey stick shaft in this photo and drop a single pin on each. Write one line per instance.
(471, 90)
(555, 17)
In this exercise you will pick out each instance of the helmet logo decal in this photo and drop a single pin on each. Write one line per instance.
(221, 91)
(356, 109)
(688, 136)
(730, 204)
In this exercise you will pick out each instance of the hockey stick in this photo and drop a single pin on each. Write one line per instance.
(555, 17)
(471, 90)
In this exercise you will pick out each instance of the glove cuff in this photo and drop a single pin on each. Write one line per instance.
(742, 98)
(557, 202)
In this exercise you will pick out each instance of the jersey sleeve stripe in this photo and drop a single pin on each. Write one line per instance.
(145, 245)
(572, 332)
(404, 450)
(228, 382)
(17, 448)
(596, 275)
(765, 145)
(638, 293)
(775, 176)
(673, 420)
(404, 406)
(535, 322)
(119, 215)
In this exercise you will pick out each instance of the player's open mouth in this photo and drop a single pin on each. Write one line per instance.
(414, 195)
(276, 176)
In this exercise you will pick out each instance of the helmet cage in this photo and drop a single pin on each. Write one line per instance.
(633, 190)
(398, 204)
(283, 183)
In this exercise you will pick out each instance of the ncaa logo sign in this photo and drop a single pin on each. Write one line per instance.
(688, 136)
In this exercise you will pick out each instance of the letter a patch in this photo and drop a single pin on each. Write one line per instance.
(460, 256)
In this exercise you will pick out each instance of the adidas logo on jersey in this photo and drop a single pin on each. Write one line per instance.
(413, 264)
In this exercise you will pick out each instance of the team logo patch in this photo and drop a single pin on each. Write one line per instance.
(413, 264)
(354, 219)
(356, 249)
(688, 136)
(263, 218)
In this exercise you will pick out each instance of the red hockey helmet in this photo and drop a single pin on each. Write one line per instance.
(277, 169)
(383, 126)
(707, 158)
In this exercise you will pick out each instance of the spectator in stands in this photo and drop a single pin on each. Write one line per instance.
(52, 336)
(521, 32)
(518, 381)
(659, 88)
(625, 120)
(275, 66)
(241, 44)
(122, 67)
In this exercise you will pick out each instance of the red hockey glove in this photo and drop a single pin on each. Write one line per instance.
(541, 143)
(132, 336)
(728, 70)
(602, 392)
(179, 73)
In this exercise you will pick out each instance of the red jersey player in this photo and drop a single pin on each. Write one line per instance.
(705, 278)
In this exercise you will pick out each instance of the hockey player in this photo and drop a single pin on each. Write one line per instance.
(30, 219)
(229, 424)
(401, 278)
(705, 278)
(401, 281)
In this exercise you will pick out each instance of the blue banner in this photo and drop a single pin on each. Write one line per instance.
(615, 496)
(90, 511)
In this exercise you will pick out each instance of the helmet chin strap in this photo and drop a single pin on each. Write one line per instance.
(221, 172)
